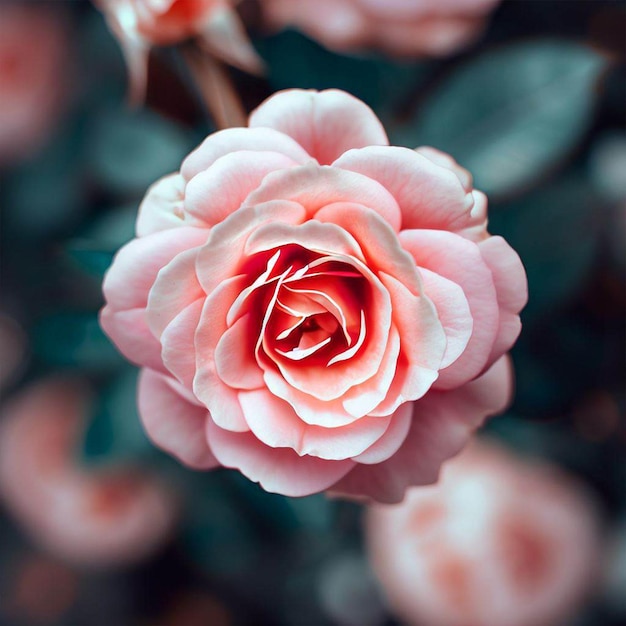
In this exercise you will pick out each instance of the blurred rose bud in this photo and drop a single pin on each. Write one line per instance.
(498, 541)
(410, 28)
(141, 24)
(33, 70)
(99, 517)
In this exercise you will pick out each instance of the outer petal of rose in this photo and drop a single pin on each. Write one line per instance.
(509, 278)
(130, 333)
(453, 312)
(325, 123)
(218, 260)
(177, 342)
(215, 193)
(278, 470)
(314, 187)
(430, 196)
(275, 423)
(376, 238)
(171, 422)
(235, 139)
(476, 229)
(224, 36)
(162, 207)
(460, 261)
(443, 159)
(393, 438)
(135, 267)
(442, 424)
(176, 287)
(221, 400)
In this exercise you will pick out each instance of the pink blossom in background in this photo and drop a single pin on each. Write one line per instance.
(141, 24)
(411, 28)
(33, 83)
(98, 517)
(498, 541)
(315, 308)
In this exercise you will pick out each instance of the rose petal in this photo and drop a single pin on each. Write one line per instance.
(162, 207)
(325, 123)
(171, 422)
(278, 470)
(235, 139)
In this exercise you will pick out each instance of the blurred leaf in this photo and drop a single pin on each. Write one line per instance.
(115, 432)
(296, 61)
(75, 340)
(512, 113)
(129, 151)
(556, 233)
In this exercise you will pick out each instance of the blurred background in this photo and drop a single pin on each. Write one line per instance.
(97, 527)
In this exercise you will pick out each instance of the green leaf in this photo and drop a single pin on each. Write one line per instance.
(130, 151)
(75, 340)
(512, 113)
(115, 432)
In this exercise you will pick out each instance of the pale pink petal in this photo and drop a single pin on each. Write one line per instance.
(393, 438)
(234, 356)
(429, 196)
(325, 123)
(215, 193)
(509, 278)
(230, 140)
(443, 159)
(476, 228)
(460, 261)
(162, 207)
(380, 244)
(278, 470)
(130, 333)
(276, 424)
(171, 422)
(219, 259)
(135, 267)
(442, 424)
(314, 187)
(453, 312)
(177, 340)
(219, 398)
(175, 288)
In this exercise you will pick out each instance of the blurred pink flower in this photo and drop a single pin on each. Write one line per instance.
(498, 541)
(32, 77)
(410, 28)
(141, 24)
(98, 517)
(314, 307)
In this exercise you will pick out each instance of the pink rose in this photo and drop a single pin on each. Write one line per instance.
(314, 307)
(402, 27)
(497, 541)
(140, 24)
(31, 77)
(99, 517)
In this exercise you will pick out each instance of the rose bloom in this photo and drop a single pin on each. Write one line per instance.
(314, 307)
(410, 28)
(104, 517)
(498, 540)
(31, 77)
(141, 24)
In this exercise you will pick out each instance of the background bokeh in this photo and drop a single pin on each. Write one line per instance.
(536, 110)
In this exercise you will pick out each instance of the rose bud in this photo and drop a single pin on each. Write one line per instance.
(105, 517)
(141, 24)
(498, 541)
(409, 28)
(31, 77)
(314, 307)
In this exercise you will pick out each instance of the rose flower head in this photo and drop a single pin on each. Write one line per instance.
(102, 517)
(141, 24)
(314, 307)
(498, 541)
(407, 28)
